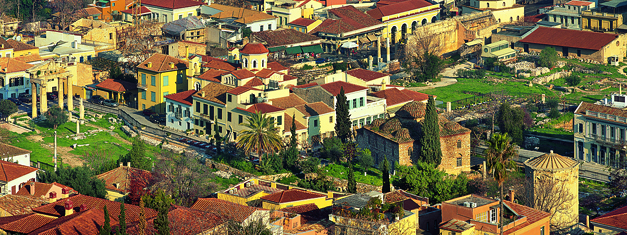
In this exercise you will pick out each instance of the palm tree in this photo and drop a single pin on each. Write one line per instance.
(262, 135)
(499, 162)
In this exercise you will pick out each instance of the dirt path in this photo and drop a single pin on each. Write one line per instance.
(68, 158)
(112, 133)
(448, 77)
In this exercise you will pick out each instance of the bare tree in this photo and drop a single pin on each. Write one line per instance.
(137, 42)
(68, 10)
(423, 54)
(550, 195)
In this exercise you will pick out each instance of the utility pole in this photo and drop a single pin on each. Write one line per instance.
(55, 151)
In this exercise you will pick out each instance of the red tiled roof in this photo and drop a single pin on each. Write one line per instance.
(284, 37)
(532, 215)
(291, 195)
(263, 108)
(29, 58)
(212, 75)
(569, 38)
(220, 65)
(254, 48)
(11, 65)
(301, 209)
(92, 11)
(351, 19)
(334, 87)
(579, 3)
(583, 107)
(276, 66)
(124, 174)
(85, 222)
(289, 101)
(116, 85)
(20, 46)
(302, 22)
(240, 90)
(365, 74)
(416, 96)
(243, 74)
(24, 224)
(41, 189)
(161, 63)
(20, 205)
(184, 97)
(214, 92)
(616, 218)
(184, 221)
(253, 189)
(287, 124)
(535, 18)
(11, 171)
(288, 77)
(314, 109)
(57, 208)
(254, 82)
(172, 4)
(142, 10)
(398, 7)
(264, 73)
(395, 96)
(229, 210)
(8, 151)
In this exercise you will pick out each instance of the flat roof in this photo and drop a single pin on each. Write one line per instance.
(472, 198)
(503, 52)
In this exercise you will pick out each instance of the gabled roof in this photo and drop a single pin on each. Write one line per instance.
(11, 65)
(214, 92)
(532, 215)
(350, 19)
(57, 208)
(20, 46)
(284, 37)
(264, 73)
(142, 10)
(616, 218)
(289, 101)
(78, 223)
(254, 82)
(244, 16)
(116, 85)
(184, 220)
(393, 96)
(29, 58)
(243, 74)
(287, 124)
(5, 44)
(184, 97)
(92, 11)
(172, 4)
(302, 22)
(241, 89)
(366, 75)
(314, 109)
(335, 87)
(41, 189)
(20, 205)
(226, 209)
(10, 171)
(161, 63)
(396, 8)
(583, 107)
(123, 175)
(416, 96)
(212, 75)
(263, 108)
(291, 195)
(254, 48)
(179, 26)
(276, 66)
(8, 151)
(569, 38)
(24, 224)
(221, 65)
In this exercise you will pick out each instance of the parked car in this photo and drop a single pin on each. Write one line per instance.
(157, 118)
(96, 99)
(111, 103)
(320, 60)
(26, 98)
(148, 112)
(15, 101)
(51, 96)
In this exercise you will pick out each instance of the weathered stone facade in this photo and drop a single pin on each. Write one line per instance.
(315, 94)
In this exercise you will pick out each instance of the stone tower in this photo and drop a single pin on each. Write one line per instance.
(549, 176)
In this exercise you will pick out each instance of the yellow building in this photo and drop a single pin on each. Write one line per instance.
(304, 25)
(158, 76)
(288, 11)
(248, 192)
(294, 197)
(600, 21)
(402, 18)
(21, 49)
(504, 11)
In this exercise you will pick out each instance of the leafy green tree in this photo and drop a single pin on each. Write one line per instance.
(618, 182)
(7, 108)
(290, 155)
(309, 165)
(332, 149)
(385, 171)
(352, 183)
(552, 103)
(106, 227)
(425, 67)
(343, 120)
(554, 113)
(573, 80)
(430, 151)
(320, 183)
(161, 203)
(246, 32)
(81, 179)
(260, 136)
(122, 221)
(426, 180)
(548, 57)
(511, 121)
(500, 163)
(55, 116)
(137, 155)
(365, 159)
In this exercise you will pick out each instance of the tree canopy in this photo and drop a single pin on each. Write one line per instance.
(548, 57)
(430, 150)
(426, 180)
(55, 116)
(7, 108)
(343, 118)
(137, 156)
(511, 121)
(81, 179)
(385, 170)
(260, 136)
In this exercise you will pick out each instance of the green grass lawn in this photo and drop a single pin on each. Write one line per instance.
(373, 176)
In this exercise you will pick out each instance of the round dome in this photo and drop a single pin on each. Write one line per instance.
(391, 125)
(551, 162)
(402, 134)
(412, 110)
(378, 122)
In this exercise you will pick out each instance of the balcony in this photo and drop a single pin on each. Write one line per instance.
(204, 116)
(142, 86)
(607, 139)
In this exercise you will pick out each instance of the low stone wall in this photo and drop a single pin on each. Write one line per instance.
(342, 184)
(549, 78)
(275, 177)
(227, 168)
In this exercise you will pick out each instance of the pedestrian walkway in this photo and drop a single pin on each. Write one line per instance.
(448, 77)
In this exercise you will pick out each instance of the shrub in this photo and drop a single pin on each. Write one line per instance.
(474, 74)
(554, 113)
(573, 80)
(552, 103)
(548, 57)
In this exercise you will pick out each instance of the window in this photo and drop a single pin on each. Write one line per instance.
(269, 26)
(612, 132)
(166, 80)
(542, 230)
(315, 123)
(144, 95)
(189, 14)
(488, 5)
(228, 116)
(580, 127)
(493, 216)
(205, 109)
(228, 97)
(110, 36)
(361, 102)
(622, 134)
(279, 120)
(171, 120)
(219, 113)
(260, 27)
(354, 103)
(254, 64)
(153, 96)
(355, 123)
(211, 111)
(263, 63)
(195, 121)
(594, 128)
(143, 106)
(459, 144)
(179, 78)
(459, 161)
(603, 130)
(240, 119)
(197, 108)
(144, 79)
(245, 63)
(180, 16)
(153, 80)
(331, 119)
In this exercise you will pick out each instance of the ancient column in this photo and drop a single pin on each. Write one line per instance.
(60, 91)
(81, 110)
(369, 62)
(387, 48)
(70, 95)
(78, 126)
(43, 100)
(33, 94)
(378, 50)
(448, 106)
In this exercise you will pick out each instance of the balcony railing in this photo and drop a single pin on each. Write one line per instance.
(607, 139)
(142, 86)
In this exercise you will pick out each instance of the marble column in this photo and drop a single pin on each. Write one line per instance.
(43, 100)
(81, 110)
(33, 94)
(60, 92)
(70, 95)
(387, 48)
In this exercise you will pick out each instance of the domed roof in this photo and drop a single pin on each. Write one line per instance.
(254, 48)
(412, 110)
(551, 162)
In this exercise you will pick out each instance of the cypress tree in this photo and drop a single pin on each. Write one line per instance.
(430, 151)
(106, 227)
(161, 222)
(352, 184)
(142, 218)
(122, 219)
(343, 120)
(386, 175)
(293, 132)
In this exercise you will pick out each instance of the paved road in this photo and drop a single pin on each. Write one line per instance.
(621, 70)
(448, 77)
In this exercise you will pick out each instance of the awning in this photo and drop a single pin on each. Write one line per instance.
(312, 49)
(364, 40)
(350, 45)
(275, 49)
(293, 50)
(372, 38)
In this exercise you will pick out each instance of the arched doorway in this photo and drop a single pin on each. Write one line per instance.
(404, 32)
(393, 34)
(414, 25)
(424, 21)
(197, 86)
(434, 19)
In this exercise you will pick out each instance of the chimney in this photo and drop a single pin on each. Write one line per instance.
(83, 208)
(149, 65)
(121, 164)
(32, 188)
(128, 164)
(511, 195)
(383, 85)
(52, 197)
(171, 65)
(202, 94)
(65, 193)
(69, 207)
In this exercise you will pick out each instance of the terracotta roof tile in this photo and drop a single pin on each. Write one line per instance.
(241, 89)
(79, 223)
(287, 124)
(123, 175)
(302, 22)
(213, 75)
(532, 215)
(10, 171)
(583, 107)
(288, 77)
(254, 82)
(184, 221)
(291, 195)
(226, 209)
(4, 43)
(289, 101)
(254, 48)
(184, 97)
(11, 65)
(42, 189)
(142, 10)
(276, 66)
(569, 38)
(535, 18)
(578, 3)
(264, 73)
(221, 65)
(20, 205)
(252, 190)
(214, 92)
(283, 37)
(365, 74)
(301, 209)
(161, 63)
(314, 109)
(551, 161)
(398, 7)
(334, 87)
(172, 4)
(416, 96)
(263, 108)
(57, 208)
(243, 74)
(8, 151)
(20, 46)
(392, 96)
(24, 224)
(29, 58)
(616, 218)
(91, 11)
(116, 85)
(350, 19)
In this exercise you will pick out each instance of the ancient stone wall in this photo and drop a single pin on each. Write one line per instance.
(568, 178)
(315, 94)
(342, 184)
(454, 147)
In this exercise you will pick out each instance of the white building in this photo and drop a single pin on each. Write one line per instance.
(363, 109)
(179, 110)
(14, 154)
(171, 10)
(13, 176)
